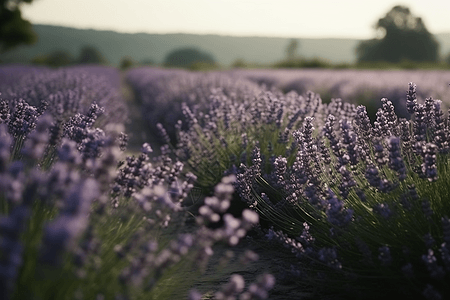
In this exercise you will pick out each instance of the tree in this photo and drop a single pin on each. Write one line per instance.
(54, 59)
(126, 62)
(447, 58)
(405, 37)
(14, 30)
(187, 57)
(291, 49)
(91, 55)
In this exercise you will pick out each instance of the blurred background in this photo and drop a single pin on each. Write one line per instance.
(225, 34)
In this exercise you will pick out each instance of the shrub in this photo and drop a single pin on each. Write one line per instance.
(77, 221)
(354, 201)
(187, 57)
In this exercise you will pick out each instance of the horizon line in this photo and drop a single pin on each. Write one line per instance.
(207, 34)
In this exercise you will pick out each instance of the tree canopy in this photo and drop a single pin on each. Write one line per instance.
(291, 49)
(405, 37)
(126, 62)
(14, 30)
(187, 57)
(91, 55)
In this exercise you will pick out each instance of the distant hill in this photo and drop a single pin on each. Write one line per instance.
(225, 49)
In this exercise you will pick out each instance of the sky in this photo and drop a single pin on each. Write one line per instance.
(275, 18)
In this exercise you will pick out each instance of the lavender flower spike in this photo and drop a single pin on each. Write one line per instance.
(429, 167)
(411, 98)
(60, 233)
(336, 213)
(395, 158)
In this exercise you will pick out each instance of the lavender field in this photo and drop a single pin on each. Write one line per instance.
(240, 184)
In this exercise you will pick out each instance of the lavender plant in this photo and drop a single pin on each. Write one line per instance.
(161, 93)
(353, 200)
(362, 205)
(369, 209)
(65, 92)
(364, 87)
(78, 222)
(230, 133)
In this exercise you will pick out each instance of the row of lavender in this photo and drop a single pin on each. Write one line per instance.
(79, 219)
(357, 86)
(363, 206)
(161, 92)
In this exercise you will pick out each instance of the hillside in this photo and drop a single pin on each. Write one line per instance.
(225, 49)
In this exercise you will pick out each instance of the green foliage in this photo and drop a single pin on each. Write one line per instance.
(304, 63)
(126, 63)
(239, 64)
(405, 38)
(188, 58)
(447, 59)
(14, 30)
(243, 64)
(91, 55)
(364, 65)
(402, 65)
(202, 66)
(405, 229)
(55, 59)
(291, 49)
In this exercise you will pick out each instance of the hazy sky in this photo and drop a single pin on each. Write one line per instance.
(283, 18)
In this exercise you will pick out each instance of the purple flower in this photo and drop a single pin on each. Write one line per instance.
(306, 238)
(5, 112)
(434, 269)
(419, 129)
(411, 98)
(330, 257)
(23, 119)
(234, 287)
(5, 146)
(363, 125)
(68, 152)
(385, 256)
(372, 176)
(395, 159)
(37, 140)
(336, 213)
(350, 140)
(61, 232)
(280, 165)
(259, 290)
(429, 168)
(426, 208)
(11, 248)
(386, 122)
(347, 182)
(384, 210)
(380, 153)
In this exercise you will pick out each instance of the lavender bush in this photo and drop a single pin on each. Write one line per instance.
(353, 200)
(361, 205)
(79, 220)
(161, 94)
(364, 87)
(65, 92)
